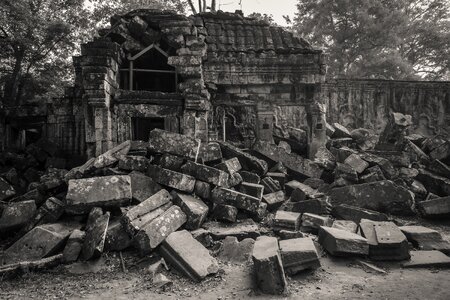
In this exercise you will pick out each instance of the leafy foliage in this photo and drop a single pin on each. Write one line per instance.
(403, 39)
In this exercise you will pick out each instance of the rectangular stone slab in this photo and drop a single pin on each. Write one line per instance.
(274, 200)
(428, 259)
(187, 255)
(298, 254)
(206, 173)
(355, 214)
(156, 231)
(96, 228)
(17, 214)
(312, 222)
(176, 180)
(267, 265)
(286, 220)
(230, 166)
(252, 189)
(107, 192)
(132, 227)
(195, 209)
(247, 161)
(425, 238)
(339, 242)
(435, 208)
(142, 186)
(248, 203)
(295, 164)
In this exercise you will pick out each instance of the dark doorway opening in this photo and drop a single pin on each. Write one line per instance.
(143, 126)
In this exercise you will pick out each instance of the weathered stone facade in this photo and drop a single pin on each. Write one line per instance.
(212, 76)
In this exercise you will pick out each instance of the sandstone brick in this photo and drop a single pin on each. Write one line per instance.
(206, 173)
(133, 163)
(355, 214)
(248, 203)
(357, 163)
(230, 166)
(249, 177)
(17, 214)
(226, 213)
(96, 227)
(312, 222)
(286, 220)
(247, 161)
(255, 190)
(73, 246)
(298, 254)
(142, 186)
(176, 180)
(274, 200)
(195, 209)
(339, 242)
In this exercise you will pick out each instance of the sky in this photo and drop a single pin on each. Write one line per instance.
(276, 8)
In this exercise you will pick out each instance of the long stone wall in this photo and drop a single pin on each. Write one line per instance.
(366, 103)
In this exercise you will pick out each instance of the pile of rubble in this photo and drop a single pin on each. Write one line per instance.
(179, 197)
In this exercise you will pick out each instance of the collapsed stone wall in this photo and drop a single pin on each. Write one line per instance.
(357, 103)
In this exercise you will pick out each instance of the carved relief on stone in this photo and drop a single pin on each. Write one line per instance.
(240, 123)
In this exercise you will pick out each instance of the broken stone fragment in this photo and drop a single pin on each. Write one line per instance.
(424, 238)
(142, 186)
(268, 267)
(6, 190)
(439, 168)
(385, 165)
(385, 239)
(188, 256)
(171, 162)
(355, 214)
(247, 161)
(225, 213)
(206, 173)
(117, 238)
(302, 192)
(255, 190)
(73, 246)
(234, 180)
(286, 220)
(435, 208)
(350, 226)
(40, 242)
(153, 233)
(295, 164)
(298, 254)
(340, 131)
(195, 209)
(376, 196)
(96, 227)
(230, 166)
(249, 177)
(278, 177)
(176, 180)
(49, 212)
(17, 214)
(270, 185)
(248, 203)
(133, 163)
(107, 191)
(274, 200)
(340, 242)
(135, 218)
(111, 156)
(357, 163)
(312, 222)
(319, 206)
(219, 231)
(427, 259)
(434, 183)
(346, 172)
(374, 174)
(324, 158)
(289, 234)
(202, 189)
(235, 251)
(393, 135)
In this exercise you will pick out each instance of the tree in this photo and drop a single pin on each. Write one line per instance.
(202, 6)
(403, 39)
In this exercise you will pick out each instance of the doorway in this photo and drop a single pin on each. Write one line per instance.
(143, 126)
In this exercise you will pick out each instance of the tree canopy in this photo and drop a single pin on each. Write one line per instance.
(403, 39)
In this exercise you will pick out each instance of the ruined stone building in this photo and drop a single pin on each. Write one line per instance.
(212, 76)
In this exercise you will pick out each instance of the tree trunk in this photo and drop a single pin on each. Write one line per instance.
(213, 5)
(12, 87)
(194, 11)
(200, 6)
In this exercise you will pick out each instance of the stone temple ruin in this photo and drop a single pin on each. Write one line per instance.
(185, 121)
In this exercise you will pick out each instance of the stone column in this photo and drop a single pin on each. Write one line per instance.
(317, 136)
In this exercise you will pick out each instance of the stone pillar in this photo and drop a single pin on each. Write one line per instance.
(317, 136)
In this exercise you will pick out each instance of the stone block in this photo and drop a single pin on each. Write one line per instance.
(40, 242)
(202, 189)
(142, 186)
(435, 208)
(434, 183)
(171, 162)
(117, 238)
(302, 192)
(195, 209)
(206, 173)
(230, 166)
(226, 213)
(156, 231)
(73, 246)
(298, 254)
(340, 242)
(249, 177)
(176, 180)
(274, 200)
(268, 267)
(286, 220)
(289, 234)
(427, 259)
(247, 161)
(161, 141)
(312, 222)
(346, 172)
(139, 215)
(96, 227)
(295, 164)
(252, 189)
(270, 185)
(7, 191)
(376, 196)
(235, 251)
(49, 212)
(357, 163)
(278, 177)
(16, 214)
(385, 239)
(340, 131)
(424, 238)
(318, 206)
(107, 192)
(234, 180)
(108, 158)
(133, 163)
(350, 226)
(220, 231)
(355, 214)
(220, 195)
(188, 256)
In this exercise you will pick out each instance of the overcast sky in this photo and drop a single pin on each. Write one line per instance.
(276, 8)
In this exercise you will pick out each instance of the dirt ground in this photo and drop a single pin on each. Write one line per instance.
(336, 279)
